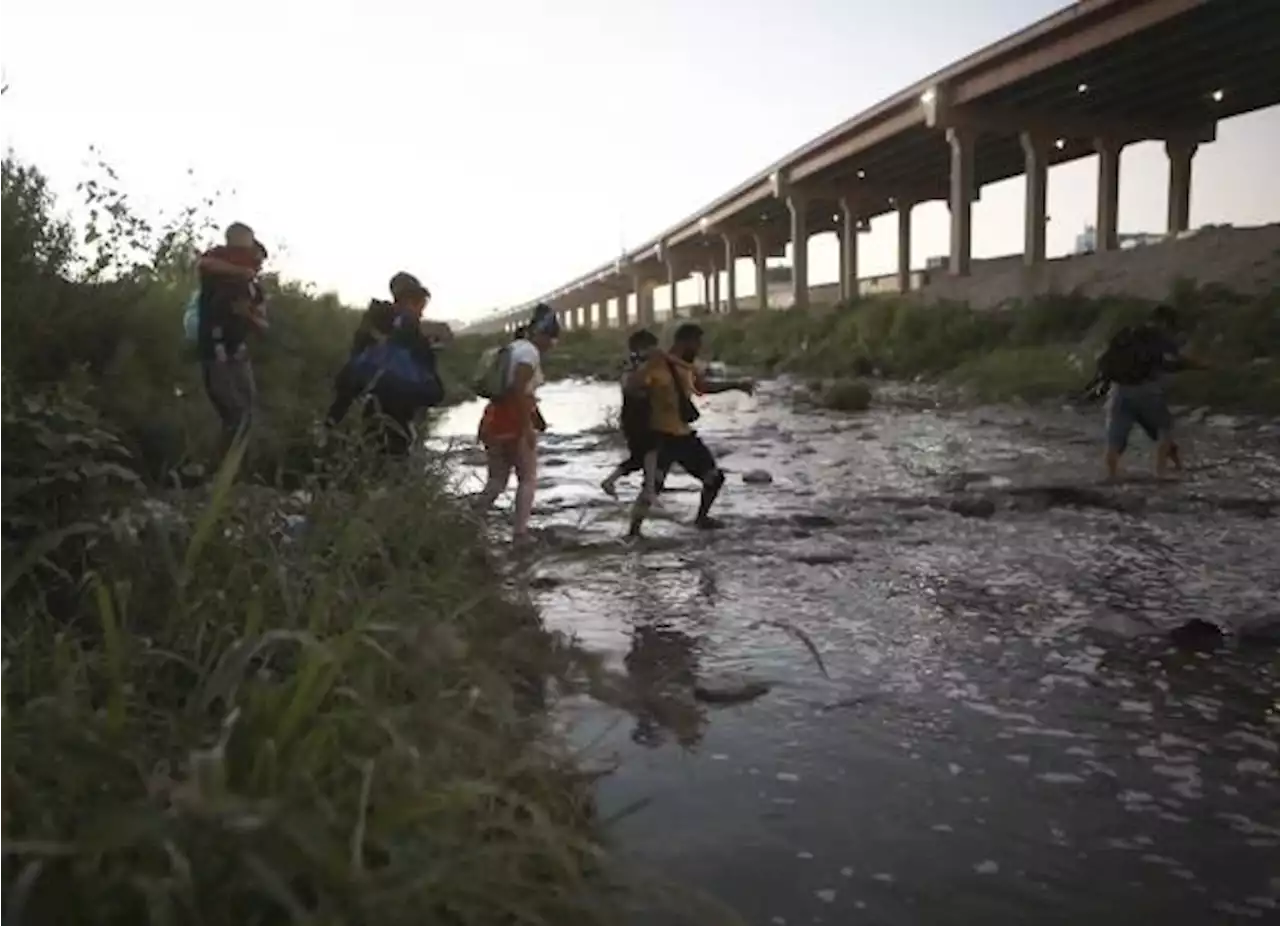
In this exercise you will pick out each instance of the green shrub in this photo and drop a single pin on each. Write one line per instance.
(229, 715)
(234, 705)
(1027, 373)
(1043, 349)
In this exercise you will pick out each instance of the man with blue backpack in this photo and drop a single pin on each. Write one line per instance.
(392, 366)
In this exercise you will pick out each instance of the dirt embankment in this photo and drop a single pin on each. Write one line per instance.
(1244, 260)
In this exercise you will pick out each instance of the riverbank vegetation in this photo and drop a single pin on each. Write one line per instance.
(1042, 350)
(298, 691)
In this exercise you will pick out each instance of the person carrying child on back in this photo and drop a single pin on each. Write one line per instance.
(635, 424)
(231, 306)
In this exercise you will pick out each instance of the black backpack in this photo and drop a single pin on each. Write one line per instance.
(635, 415)
(636, 408)
(1130, 357)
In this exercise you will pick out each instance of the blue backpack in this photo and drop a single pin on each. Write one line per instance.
(389, 368)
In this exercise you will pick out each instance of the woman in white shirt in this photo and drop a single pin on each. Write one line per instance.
(511, 422)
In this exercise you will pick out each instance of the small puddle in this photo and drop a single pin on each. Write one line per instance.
(925, 674)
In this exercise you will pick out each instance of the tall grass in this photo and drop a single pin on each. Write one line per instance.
(233, 704)
(1042, 349)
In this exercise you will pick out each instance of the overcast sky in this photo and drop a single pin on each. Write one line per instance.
(499, 148)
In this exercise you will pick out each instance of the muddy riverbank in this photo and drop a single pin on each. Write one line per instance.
(994, 723)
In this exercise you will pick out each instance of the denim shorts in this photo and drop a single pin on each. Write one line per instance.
(1143, 405)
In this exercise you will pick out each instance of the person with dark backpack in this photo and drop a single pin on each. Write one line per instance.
(392, 366)
(1133, 367)
(634, 417)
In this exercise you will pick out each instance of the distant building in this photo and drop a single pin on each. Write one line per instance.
(1087, 241)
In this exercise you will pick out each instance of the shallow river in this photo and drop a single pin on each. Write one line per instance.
(996, 727)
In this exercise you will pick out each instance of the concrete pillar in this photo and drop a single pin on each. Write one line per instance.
(1108, 235)
(715, 286)
(730, 274)
(848, 249)
(799, 251)
(706, 292)
(1180, 152)
(962, 182)
(904, 245)
(602, 314)
(673, 282)
(622, 310)
(762, 272)
(644, 300)
(1035, 153)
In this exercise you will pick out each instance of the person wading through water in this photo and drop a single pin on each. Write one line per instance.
(511, 421)
(669, 379)
(634, 417)
(392, 366)
(1135, 364)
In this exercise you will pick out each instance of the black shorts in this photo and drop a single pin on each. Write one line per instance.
(688, 452)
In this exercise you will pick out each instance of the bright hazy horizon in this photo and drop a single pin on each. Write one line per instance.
(500, 149)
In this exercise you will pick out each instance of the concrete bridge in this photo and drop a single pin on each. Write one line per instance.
(1090, 79)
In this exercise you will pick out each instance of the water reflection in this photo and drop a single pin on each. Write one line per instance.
(662, 666)
(1006, 734)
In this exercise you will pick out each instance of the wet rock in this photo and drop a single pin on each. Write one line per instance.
(757, 477)
(1224, 421)
(545, 583)
(1196, 415)
(1042, 498)
(824, 559)
(846, 395)
(1257, 507)
(553, 462)
(972, 507)
(813, 520)
(729, 692)
(1196, 634)
(958, 482)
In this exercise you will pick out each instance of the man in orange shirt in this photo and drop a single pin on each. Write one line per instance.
(669, 379)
